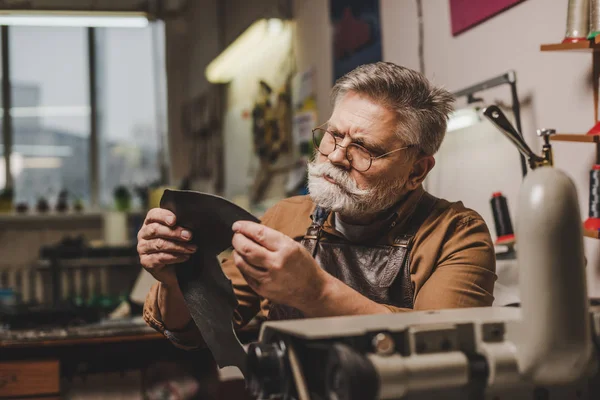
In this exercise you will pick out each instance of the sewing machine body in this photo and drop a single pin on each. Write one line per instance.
(445, 354)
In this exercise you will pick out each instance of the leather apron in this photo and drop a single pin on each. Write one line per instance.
(378, 272)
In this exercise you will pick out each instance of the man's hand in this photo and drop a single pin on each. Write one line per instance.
(161, 244)
(276, 267)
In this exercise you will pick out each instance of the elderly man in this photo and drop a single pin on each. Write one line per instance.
(367, 240)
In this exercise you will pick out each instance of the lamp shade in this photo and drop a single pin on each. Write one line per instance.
(254, 44)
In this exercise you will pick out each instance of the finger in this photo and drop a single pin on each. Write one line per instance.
(160, 215)
(157, 260)
(253, 283)
(247, 269)
(164, 246)
(267, 237)
(252, 252)
(158, 230)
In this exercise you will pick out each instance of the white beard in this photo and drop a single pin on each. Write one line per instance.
(346, 198)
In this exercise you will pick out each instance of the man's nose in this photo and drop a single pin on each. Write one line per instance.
(338, 158)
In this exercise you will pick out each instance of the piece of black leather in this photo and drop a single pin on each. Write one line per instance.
(207, 291)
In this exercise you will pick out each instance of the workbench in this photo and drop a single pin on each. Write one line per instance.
(36, 364)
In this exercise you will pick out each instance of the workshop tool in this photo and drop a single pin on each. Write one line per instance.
(497, 117)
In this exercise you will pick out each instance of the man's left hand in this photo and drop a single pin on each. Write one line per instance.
(277, 267)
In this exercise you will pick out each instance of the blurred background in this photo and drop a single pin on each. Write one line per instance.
(105, 103)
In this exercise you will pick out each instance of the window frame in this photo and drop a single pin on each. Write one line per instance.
(94, 137)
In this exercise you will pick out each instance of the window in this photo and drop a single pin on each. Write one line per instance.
(130, 72)
(50, 112)
(52, 135)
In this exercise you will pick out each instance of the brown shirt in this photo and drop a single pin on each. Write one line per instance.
(452, 261)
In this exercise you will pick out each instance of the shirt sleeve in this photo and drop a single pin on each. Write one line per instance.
(249, 302)
(466, 270)
(188, 338)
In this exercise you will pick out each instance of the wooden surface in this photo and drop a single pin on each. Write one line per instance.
(584, 45)
(29, 378)
(43, 398)
(81, 340)
(575, 137)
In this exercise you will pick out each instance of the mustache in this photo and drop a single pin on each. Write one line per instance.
(341, 177)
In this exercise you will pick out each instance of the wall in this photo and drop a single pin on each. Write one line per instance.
(555, 88)
(193, 40)
(313, 48)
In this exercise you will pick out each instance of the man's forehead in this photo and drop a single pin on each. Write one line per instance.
(375, 132)
(355, 114)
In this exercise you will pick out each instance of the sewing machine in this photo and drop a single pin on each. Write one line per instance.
(546, 349)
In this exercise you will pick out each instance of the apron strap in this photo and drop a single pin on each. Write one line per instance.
(401, 248)
(313, 233)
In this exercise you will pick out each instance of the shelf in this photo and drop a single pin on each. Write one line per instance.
(591, 234)
(575, 137)
(582, 46)
(58, 216)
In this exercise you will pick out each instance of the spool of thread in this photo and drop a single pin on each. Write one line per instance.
(594, 19)
(578, 17)
(504, 228)
(593, 221)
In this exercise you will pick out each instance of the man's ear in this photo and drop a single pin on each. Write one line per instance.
(420, 169)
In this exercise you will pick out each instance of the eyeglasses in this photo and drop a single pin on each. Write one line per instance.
(359, 157)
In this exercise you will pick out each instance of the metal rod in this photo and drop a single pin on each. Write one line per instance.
(497, 117)
(421, 37)
(516, 107)
(7, 125)
(490, 83)
(94, 137)
(510, 78)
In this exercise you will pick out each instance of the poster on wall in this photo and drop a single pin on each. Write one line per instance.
(356, 34)
(465, 14)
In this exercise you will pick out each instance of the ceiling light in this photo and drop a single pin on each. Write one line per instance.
(261, 38)
(74, 19)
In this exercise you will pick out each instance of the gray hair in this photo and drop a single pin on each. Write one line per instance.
(422, 109)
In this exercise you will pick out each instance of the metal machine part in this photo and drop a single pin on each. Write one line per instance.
(497, 117)
(547, 147)
(547, 349)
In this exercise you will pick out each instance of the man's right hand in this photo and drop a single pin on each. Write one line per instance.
(161, 244)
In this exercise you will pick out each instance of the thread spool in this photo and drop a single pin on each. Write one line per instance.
(504, 229)
(578, 21)
(593, 221)
(594, 19)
